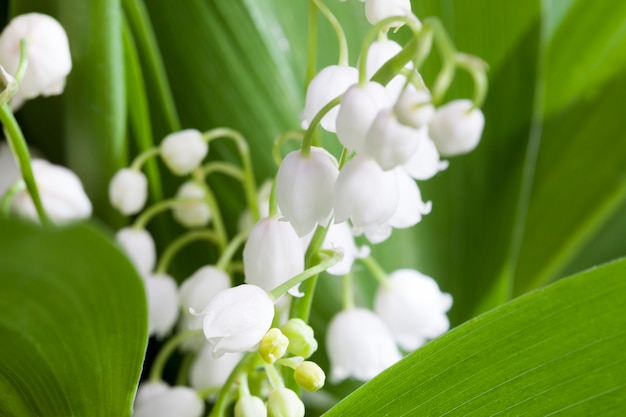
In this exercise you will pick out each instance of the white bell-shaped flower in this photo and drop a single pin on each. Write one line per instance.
(206, 371)
(425, 162)
(305, 188)
(272, 255)
(411, 207)
(456, 127)
(157, 399)
(378, 53)
(324, 87)
(193, 213)
(237, 318)
(414, 107)
(359, 106)
(48, 51)
(183, 151)
(377, 10)
(162, 304)
(413, 307)
(250, 406)
(128, 191)
(359, 345)
(140, 248)
(283, 402)
(365, 194)
(61, 192)
(339, 237)
(389, 142)
(197, 290)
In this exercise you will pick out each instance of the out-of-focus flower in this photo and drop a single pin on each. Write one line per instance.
(236, 319)
(414, 108)
(310, 376)
(456, 127)
(413, 307)
(272, 254)
(197, 290)
(157, 399)
(139, 246)
(195, 213)
(48, 51)
(183, 151)
(206, 371)
(128, 191)
(283, 402)
(377, 10)
(250, 406)
(162, 304)
(305, 188)
(359, 345)
(329, 83)
(62, 194)
(378, 53)
(425, 162)
(389, 142)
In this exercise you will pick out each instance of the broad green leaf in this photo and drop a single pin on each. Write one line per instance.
(73, 323)
(558, 350)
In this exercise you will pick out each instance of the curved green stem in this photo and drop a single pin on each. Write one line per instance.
(219, 408)
(143, 157)
(376, 270)
(341, 36)
(276, 380)
(209, 198)
(311, 46)
(5, 202)
(231, 249)
(447, 51)
(276, 154)
(307, 141)
(348, 291)
(223, 168)
(156, 373)
(152, 211)
(176, 245)
(477, 68)
(23, 63)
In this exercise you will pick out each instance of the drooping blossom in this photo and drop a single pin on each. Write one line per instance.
(128, 191)
(456, 127)
(195, 212)
(140, 248)
(157, 399)
(183, 151)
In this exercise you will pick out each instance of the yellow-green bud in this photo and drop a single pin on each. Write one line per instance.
(250, 406)
(301, 338)
(283, 402)
(273, 345)
(309, 376)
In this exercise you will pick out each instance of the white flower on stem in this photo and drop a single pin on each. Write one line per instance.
(250, 406)
(162, 304)
(193, 213)
(139, 246)
(377, 10)
(457, 127)
(329, 83)
(359, 106)
(183, 151)
(425, 162)
(61, 192)
(365, 194)
(197, 290)
(389, 142)
(48, 52)
(413, 307)
(272, 255)
(157, 399)
(283, 402)
(305, 188)
(237, 318)
(414, 107)
(128, 191)
(378, 53)
(359, 345)
(206, 371)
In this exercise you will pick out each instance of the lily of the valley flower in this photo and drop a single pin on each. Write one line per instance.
(250, 406)
(128, 191)
(62, 194)
(197, 290)
(196, 213)
(377, 10)
(359, 345)
(162, 304)
(339, 237)
(272, 254)
(157, 399)
(206, 371)
(378, 53)
(283, 402)
(48, 51)
(414, 107)
(413, 307)
(140, 248)
(329, 83)
(305, 188)
(456, 127)
(425, 162)
(236, 319)
(183, 151)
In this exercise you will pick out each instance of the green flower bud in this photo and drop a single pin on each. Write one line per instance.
(250, 406)
(283, 402)
(273, 345)
(309, 376)
(301, 338)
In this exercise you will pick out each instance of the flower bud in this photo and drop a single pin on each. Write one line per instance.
(197, 290)
(301, 338)
(273, 345)
(48, 52)
(456, 127)
(207, 371)
(389, 142)
(414, 108)
(250, 406)
(283, 402)
(377, 10)
(183, 151)
(61, 192)
(139, 246)
(236, 319)
(305, 188)
(157, 399)
(309, 376)
(329, 83)
(128, 191)
(162, 304)
(195, 213)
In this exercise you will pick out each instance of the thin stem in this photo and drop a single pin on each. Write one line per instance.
(344, 157)
(231, 249)
(348, 291)
(244, 390)
(376, 270)
(222, 167)
(274, 376)
(477, 69)
(152, 211)
(311, 43)
(183, 371)
(176, 245)
(447, 51)
(218, 221)
(219, 408)
(143, 157)
(23, 63)
(156, 373)
(276, 154)
(5, 202)
(307, 141)
(341, 36)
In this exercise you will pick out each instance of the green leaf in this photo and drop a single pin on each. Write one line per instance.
(555, 351)
(73, 323)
